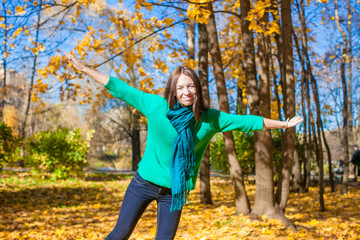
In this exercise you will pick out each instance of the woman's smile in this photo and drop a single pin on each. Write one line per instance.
(185, 90)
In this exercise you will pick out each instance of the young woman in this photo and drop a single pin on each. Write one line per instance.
(180, 127)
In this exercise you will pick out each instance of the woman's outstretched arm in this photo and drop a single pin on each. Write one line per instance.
(270, 124)
(99, 77)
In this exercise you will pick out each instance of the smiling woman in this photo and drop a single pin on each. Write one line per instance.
(185, 91)
(180, 127)
(184, 86)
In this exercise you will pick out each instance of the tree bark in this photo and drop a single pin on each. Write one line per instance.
(349, 55)
(263, 141)
(282, 192)
(331, 174)
(249, 60)
(241, 199)
(190, 34)
(345, 113)
(297, 180)
(296, 173)
(205, 190)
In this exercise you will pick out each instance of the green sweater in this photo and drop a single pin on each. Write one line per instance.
(155, 163)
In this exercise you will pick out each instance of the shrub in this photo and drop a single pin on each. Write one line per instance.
(245, 151)
(62, 152)
(244, 145)
(8, 145)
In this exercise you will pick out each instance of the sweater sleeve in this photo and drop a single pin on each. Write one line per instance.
(223, 122)
(144, 102)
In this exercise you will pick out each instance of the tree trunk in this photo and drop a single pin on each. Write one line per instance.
(263, 141)
(345, 112)
(205, 190)
(282, 192)
(296, 173)
(310, 133)
(135, 144)
(318, 110)
(241, 200)
(3, 87)
(297, 180)
(32, 74)
(190, 34)
(249, 60)
(331, 174)
(349, 55)
(307, 159)
(264, 199)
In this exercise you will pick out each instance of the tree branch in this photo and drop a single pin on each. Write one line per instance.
(141, 39)
(164, 5)
(228, 12)
(209, 2)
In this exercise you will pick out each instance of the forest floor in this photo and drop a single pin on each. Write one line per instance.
(34, 208)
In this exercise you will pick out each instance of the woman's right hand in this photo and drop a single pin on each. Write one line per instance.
(99, 77)
(75, 62)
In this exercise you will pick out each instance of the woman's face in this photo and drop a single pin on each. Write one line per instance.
(185, 90)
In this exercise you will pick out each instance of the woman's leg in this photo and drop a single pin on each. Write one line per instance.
(138, 196)
(167, 222)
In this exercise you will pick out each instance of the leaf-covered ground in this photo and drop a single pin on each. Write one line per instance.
(79, 209)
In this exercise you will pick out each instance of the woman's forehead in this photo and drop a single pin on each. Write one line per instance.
(184, 80)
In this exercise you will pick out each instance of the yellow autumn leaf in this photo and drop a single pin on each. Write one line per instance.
(19, 10)
(142, 71)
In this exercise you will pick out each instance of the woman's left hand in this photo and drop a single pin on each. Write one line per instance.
(294, 121)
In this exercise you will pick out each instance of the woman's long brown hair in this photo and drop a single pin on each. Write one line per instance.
(198, 105)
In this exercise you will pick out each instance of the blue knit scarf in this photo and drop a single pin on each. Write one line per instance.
(182, 158)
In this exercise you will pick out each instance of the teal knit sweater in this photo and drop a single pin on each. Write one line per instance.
(155, 163)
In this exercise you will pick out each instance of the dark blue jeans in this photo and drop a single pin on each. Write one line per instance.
(139, 194)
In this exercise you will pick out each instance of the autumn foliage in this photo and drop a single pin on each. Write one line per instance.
(140, 42)
(78, 209)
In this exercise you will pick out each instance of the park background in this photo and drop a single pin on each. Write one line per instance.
(60, 131)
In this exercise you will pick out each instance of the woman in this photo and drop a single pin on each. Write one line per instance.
(180, 127)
